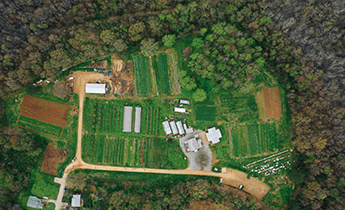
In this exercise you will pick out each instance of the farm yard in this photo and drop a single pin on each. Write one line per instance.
(156, 75)
(43, 116)
(149, 152)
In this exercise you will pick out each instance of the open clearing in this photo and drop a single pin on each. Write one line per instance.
(51, 159)
(273, 105)
(143, 76)
(205, 113)
(44, 110)
(160, 65)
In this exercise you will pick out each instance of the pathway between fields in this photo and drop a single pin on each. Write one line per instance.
(230, 177)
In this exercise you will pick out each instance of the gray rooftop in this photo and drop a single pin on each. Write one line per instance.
(35, 202)
(127, 119)
(76, 201)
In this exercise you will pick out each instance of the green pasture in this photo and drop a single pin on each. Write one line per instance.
(205, 113)
(130, 151)
(36, 125)
(142, 74)
(254, 139)
(160, 65)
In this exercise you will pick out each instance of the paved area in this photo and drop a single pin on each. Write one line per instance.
(194, 156)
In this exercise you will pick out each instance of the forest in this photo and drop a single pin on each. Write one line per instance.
(299, 42)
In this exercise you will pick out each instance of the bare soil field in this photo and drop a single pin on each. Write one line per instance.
(273, 105)
(51, 159)
(44, 110)
(122, 78)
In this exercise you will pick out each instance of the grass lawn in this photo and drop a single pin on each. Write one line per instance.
(205, 113)
(142, 75)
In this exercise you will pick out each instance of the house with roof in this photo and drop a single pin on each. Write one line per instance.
(75, 201)
(193, 144)
(95, 88)
(35, 202)
(213, 135)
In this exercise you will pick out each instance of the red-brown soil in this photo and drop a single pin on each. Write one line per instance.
(44, 110)
(273, 105)
(51, 159)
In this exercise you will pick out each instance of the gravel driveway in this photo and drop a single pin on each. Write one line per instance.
(194, 156)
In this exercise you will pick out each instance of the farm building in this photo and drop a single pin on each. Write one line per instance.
(184, 102)
(76, 201)
(188, 130)
(213, 135)
(127, 119)
(180, 110)
(173, 127)
(166, 127)
(180, 127)
(35, 202)
(193, 144)
(95, 88)
(137, 119)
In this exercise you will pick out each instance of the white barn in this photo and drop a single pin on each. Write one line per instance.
(213, 135)
(137, 119)
(95, 88)
(75, 201)
(184, 102)
(127, 119)
(166, 127)
(173, 127)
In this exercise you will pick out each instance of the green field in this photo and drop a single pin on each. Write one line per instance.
(254, 139)
(149, 152)
(35, 125)
(205, 113)
(142, 74)
(160, 65)
(242, 108)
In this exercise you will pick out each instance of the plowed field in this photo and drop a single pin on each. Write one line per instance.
(273, 105)
(51, 159)
(44, 110)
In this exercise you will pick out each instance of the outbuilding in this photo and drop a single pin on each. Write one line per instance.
(173, 127)
(127, 119)
(213, 135)
(35, 202)
(166, 126)
(180, 110)
(75, 201)
(180, 127)
(95, 88)
(186, 102)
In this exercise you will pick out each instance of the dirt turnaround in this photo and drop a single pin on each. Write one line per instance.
(44, 110)
(273, 105)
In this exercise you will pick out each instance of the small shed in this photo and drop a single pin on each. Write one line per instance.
(173, 127)
(137, 119)
(179, 110)
(166, 126)
(184, 102)
(180, 127)
(127, 119)
(76, 201)
(35, 202)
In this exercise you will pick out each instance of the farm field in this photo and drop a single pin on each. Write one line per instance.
(239, 109)
(38, 126)
(254, 139)
(160, 65)
(205, 113)
(143, 76)
(273, 105)
(130, 151)
(44, 110)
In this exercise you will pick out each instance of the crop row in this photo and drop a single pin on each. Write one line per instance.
(42, 127)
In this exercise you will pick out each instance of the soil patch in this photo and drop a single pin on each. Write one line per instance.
(99, 65)
(44, 110)
(51, 159)
(273, 105)
(122, 78)
(60, 90)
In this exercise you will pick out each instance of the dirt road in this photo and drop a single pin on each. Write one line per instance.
(230, 177)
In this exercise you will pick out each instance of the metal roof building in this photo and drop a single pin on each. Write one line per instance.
(35, 202)
(137, 119)
(213, 135)
(180, 127)
(192, 145)
(127, 119)
(166, 126)
(173, 127)
(180, 110)
(76, 201)
(95, 88)
(184, 102)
